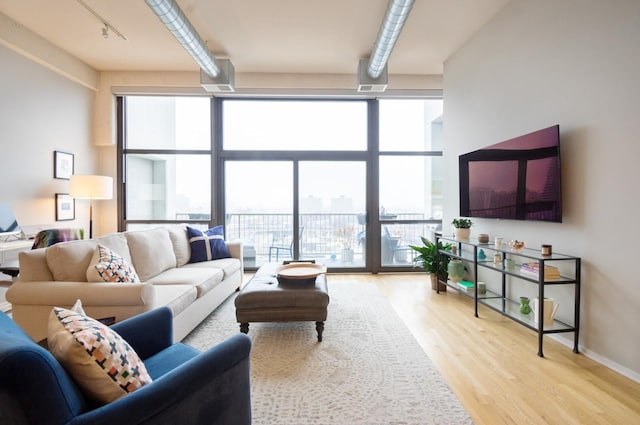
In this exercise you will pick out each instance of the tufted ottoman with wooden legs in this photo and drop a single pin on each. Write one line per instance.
(265, 299)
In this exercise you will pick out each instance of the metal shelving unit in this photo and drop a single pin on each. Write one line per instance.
(467, 251)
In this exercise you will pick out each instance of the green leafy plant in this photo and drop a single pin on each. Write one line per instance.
(427, 257)
(462, 223)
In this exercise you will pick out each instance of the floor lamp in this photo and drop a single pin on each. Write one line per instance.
(90, 187)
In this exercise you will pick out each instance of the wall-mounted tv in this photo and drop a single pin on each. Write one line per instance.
(518, 179)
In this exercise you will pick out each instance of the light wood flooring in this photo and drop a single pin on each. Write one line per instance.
(491, 362)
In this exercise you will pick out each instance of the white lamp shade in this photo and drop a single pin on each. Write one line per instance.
(91, 187)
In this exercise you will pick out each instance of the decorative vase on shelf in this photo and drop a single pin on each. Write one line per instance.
(455, 269)
(524, 305)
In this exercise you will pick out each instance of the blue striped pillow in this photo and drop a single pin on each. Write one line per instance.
(207, 245)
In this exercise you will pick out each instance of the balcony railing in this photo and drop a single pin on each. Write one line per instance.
(322, 237)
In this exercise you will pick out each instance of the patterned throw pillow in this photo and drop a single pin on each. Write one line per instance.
(207, 245)
(98, 359)
(108, 266)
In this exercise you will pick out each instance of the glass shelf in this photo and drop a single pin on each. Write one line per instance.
(511, 261)
(530, 253)
(512, 309)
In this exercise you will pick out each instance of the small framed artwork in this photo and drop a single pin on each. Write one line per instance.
(65, 207)
(62, 165)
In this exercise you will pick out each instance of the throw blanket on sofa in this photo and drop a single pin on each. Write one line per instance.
(49, 237)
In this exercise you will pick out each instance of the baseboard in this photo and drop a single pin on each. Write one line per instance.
(605, 361)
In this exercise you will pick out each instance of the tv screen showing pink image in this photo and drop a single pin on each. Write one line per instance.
(517, 179)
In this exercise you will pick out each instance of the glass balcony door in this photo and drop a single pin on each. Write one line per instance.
(259, 209)
(332, 205)
(329, 225)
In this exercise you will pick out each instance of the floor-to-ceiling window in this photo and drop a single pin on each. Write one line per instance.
(410, 175)
(166, 161)
(350, 183)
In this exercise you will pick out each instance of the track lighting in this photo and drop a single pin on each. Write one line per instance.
(107, 25)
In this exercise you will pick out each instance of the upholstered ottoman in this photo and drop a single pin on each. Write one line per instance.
(265, 299)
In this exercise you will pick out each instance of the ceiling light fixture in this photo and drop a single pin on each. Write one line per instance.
(213, 76)
(372, 74)
(107, 25)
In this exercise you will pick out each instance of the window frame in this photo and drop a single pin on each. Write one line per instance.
(371, 156)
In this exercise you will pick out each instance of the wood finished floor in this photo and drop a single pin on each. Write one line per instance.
(491, 362)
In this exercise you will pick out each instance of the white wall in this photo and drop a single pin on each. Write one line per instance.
(40, 112)
(573, 63)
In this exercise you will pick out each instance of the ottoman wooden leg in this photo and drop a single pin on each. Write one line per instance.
(244, 328)
(319, 328)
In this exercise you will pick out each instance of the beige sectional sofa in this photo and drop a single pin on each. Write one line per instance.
(57, 276)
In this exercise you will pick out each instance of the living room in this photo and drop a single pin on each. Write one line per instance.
(532, 65)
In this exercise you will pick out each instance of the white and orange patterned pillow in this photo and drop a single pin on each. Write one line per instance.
(108, 266)
(100, 361)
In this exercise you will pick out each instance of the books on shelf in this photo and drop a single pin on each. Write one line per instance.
(533, 269)
(465, 285)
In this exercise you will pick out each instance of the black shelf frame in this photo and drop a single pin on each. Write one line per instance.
(467, 251)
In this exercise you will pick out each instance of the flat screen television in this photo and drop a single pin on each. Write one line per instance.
(518, 179)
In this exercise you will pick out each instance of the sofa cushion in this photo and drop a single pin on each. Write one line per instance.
(68, 261)
(99, 360)
(33, 266)
(151, 252)
(228, 266)
(117, 242)
(203, 279)
(106, 265)
(176, 297)
(181, 247)
(208, 245)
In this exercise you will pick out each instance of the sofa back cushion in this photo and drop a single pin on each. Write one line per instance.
(68, 261)
(151, 252)
(181, 246)
(117, 242)
(33, 265)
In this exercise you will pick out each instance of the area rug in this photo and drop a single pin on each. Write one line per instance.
(367, 370)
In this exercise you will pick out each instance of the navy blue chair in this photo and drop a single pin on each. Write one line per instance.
(189, 386)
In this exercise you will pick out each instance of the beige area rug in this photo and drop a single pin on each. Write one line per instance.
(367, 370)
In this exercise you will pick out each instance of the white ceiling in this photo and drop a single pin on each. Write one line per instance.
(270, 36)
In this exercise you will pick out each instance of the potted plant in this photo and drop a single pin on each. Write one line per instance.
(431, 262)
(346, 237)
(462, 228)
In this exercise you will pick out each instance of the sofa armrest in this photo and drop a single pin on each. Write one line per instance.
(212, 388)
(235, 249)
(59, 293)
(136, 331)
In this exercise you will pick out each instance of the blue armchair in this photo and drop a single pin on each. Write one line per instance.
(189, 386)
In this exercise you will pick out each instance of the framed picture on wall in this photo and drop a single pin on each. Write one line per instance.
(62, 165)
(65, 207)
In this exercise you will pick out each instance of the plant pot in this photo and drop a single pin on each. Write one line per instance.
(346, 255)
(434, 281)
(462, 234)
